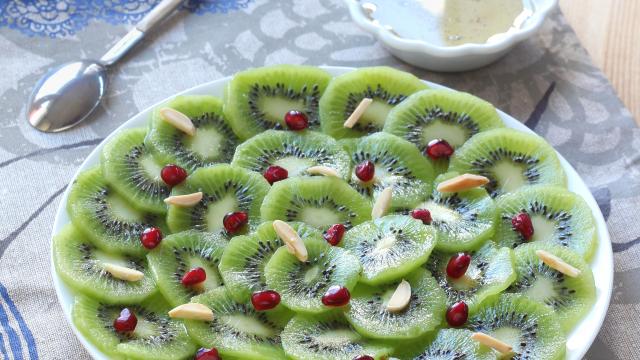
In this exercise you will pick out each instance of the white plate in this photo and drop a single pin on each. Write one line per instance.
(578, 341)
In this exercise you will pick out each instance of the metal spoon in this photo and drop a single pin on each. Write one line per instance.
(69, 93)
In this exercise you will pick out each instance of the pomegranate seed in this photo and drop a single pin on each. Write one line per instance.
(173, 175)
(207, 354)
(296, 120)
(151, 237)
(365, 170)
(336, 295)
(363, 357)
(334, 234)
(265, 300)
(422, 214)
(522, 224)
(458, 265)
(234, 221)
(438, 149)
(275, 173)
(457, 314)
(194, 276)
(126, 322)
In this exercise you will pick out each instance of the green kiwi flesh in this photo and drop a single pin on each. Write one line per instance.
(294, 151)
(213, 142)
(445, 344)
(558, 216)
(570, 297)
(258, 99)
(245, 257)
(369, 316)
(390, 247)
(387, 87)
(177, 254)
(511, 159)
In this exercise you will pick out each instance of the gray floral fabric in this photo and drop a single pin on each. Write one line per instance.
(547, 81)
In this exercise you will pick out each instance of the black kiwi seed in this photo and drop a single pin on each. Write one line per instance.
(254, 261)
(228, 145)
(562, 218)
(87, 251)
(300, 288)
(354, 99)
(298, 202)
(484, 164)
(140, 178)
(414, 130)
(541, 270)
(182, 254)
(199, 211)
(106, 315)
(310, 98)
(268, 156)
(114, 226)
(218, 326)
(387, 161)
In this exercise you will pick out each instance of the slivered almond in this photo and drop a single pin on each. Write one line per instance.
(184, 200)
(191, 311)
(357, 113)
(123, 273)
(322, 170)
(400, 298)
(291, 238)
(492, 342)
(179, 120)
(383, 202)
(556, 263)
(462, 182)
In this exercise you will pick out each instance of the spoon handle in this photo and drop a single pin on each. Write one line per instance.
(133, 37)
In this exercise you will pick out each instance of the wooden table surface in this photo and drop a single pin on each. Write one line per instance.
(610, 31)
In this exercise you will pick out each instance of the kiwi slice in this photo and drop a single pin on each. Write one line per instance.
(387, 87)
(329, 336)
(570, 297)
(237, 329)
(558, 216)
(133, 170)
(490, 272)
(156, 335)
(225, 189)
(369, 315)
(178, 254)
(258, 99)
(81, 265)
(294, 151)
(390, 247)
(106, 217)
(301, 285)
(441, 114)
(245, 257)
(213, 142)
(511, 159)
(398, 164)
(445, 344)
(316, 201)
(529, 327)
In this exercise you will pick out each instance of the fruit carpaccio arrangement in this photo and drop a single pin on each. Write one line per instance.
(364, 216)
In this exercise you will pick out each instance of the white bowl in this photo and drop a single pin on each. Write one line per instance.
(579, 340)
(451, 58)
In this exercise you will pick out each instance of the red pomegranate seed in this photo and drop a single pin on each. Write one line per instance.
(336, 295)
(296, 120)
(334, 234)
(173, 175)
(363, 357)
(265, 300)
(522, 224)
(275, 173)
(126, 322)
(234, 221)
(457, 314)
(207, 354)
(365, 170)
(458, 265)
(194, 276)
(151, 237)
(438, 149)
(422, 214)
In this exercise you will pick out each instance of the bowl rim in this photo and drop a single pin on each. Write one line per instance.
(420, 46)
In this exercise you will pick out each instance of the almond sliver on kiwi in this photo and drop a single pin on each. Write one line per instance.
(357, 113)
(400, 298)
(492, 342)
(461, 183)
(184, 200)
(179, 120)
(556, 263)
(191, 311)
(383, 203)
(291, 239)
(322, 170)
(123, 273)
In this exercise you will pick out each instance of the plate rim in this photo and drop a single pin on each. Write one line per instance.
(579, 341)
